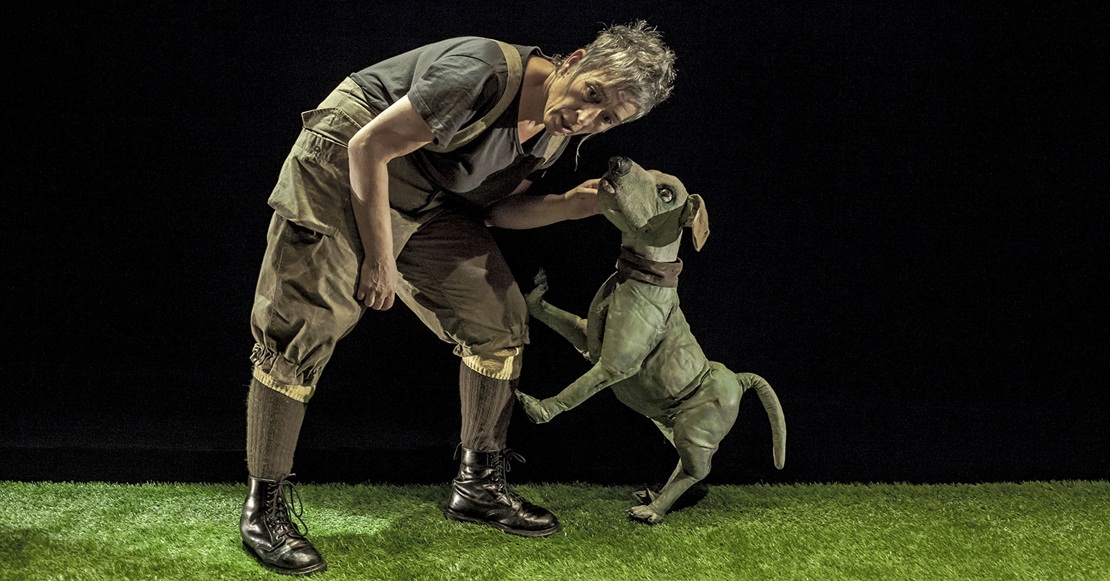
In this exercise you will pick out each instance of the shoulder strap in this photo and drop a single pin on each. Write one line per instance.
(512, 86)
(553, 144)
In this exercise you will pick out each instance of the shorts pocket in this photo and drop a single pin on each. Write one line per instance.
(332, 124)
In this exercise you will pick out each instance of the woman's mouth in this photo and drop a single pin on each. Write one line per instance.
(565, 127)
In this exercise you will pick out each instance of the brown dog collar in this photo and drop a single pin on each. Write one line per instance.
(633, 266)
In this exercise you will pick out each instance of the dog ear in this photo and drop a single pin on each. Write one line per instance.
(697, 219)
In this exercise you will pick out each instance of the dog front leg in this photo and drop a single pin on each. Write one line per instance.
(632, 329)
(593, 381)
(570, 326)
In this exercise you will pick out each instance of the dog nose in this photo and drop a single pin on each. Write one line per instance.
(619, 165)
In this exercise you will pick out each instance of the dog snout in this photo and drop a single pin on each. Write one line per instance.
(619, 165)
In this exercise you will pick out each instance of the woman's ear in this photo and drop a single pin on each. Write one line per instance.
(571, 61)
(697, 220)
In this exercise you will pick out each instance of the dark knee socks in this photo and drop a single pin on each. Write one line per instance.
(487, 407)
(274, 421)
(273, 425)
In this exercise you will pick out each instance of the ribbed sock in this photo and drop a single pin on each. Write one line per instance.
(487, 407)
(273, 426)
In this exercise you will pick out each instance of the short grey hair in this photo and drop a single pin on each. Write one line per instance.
(636, 62)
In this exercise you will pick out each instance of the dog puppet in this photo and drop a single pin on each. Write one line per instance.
(639, 341)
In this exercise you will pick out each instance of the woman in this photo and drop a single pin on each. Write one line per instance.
(388, 192)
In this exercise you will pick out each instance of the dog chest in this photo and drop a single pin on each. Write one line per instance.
(635, 324)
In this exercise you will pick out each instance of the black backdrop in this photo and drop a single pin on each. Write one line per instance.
(907, 200)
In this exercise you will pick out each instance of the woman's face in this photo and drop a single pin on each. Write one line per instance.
(578, 104)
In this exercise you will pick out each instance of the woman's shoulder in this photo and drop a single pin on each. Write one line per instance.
(484, 49)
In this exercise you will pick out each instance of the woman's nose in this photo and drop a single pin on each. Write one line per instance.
(586, 117)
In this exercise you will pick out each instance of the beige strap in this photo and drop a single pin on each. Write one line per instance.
(553, 143)
(512, 86)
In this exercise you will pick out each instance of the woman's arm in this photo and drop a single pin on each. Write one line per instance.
(397, 131)
(521, 212)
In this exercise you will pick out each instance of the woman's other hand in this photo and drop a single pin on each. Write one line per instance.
(377, 282)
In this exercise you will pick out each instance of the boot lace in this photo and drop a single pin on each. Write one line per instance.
(502, 464)
(284, 501)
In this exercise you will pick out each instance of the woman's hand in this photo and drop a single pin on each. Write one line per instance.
(377, 281)
(582, 200)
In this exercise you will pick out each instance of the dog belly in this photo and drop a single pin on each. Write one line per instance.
(633, 394)
(660, 392)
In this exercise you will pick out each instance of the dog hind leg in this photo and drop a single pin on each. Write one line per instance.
(697, 434)
(647, 495)
(654, 511)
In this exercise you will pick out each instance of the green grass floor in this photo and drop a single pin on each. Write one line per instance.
(1036, 530)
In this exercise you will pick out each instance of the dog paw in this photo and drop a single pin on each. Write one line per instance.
(644, 496)
(540, 279)
(535, 296)
(645, 514)
(532, 407)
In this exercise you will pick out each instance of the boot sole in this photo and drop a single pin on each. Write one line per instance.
(457, 516)
(321, 566)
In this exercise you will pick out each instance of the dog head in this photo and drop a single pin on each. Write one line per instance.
(649, 205)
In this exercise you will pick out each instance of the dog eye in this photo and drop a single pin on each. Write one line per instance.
(666, 194)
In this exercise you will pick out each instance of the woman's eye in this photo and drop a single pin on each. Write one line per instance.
(667, 195)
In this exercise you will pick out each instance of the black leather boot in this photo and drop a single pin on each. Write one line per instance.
(270, 536)
(480, 494)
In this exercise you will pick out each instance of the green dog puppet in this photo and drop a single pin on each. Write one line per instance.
(639, 342)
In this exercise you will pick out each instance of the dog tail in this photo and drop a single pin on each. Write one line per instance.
(771, 404)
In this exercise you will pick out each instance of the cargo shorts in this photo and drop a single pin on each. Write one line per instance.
(451, 273)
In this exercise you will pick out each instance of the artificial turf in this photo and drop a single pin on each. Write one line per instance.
(1033, 530)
